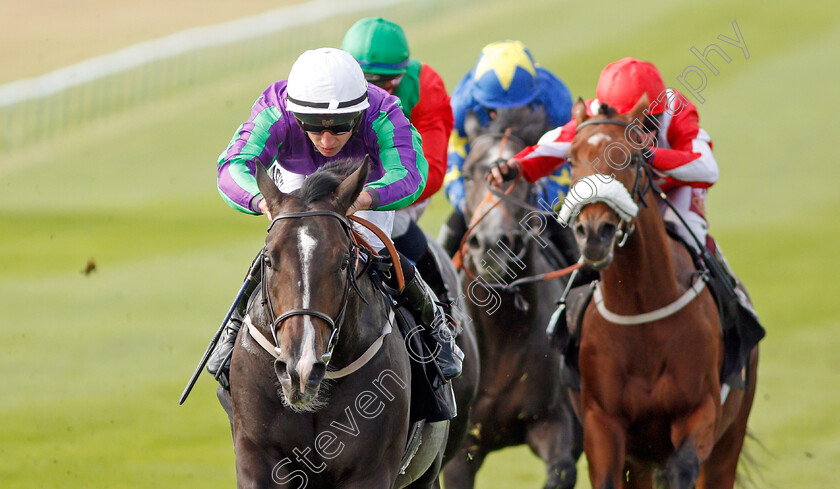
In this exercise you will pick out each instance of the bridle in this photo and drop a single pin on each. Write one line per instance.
(642, 167)
(458, 259)
(639, 191)
(348, 265)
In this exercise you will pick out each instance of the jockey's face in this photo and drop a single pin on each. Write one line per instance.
(327, 143)
(389, 83)
(650, 128)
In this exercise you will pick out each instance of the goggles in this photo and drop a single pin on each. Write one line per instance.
(385, 82)
(337, 124)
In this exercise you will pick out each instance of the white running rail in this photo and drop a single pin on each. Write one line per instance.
(177, 44)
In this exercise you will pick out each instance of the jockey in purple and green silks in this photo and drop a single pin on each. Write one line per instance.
(398, 168)
(327, 111)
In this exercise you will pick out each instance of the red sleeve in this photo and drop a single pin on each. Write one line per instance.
(549, 153)
(689, 160)
(432, 116)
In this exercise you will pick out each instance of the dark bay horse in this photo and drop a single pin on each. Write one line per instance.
(650, 396)
(320, 374)
(521, 399)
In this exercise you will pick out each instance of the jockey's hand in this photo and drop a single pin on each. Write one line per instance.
(504, 171)
(263, 205)
(362, 203)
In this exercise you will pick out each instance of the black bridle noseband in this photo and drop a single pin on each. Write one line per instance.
(348, 265)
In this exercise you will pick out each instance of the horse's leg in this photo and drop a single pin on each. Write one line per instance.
(639, 476)
(253, 467)
(460, 472)
(552, 441)
(383, 479)
(693, 436)
(227, 404)
(604, 441)
(718, 472)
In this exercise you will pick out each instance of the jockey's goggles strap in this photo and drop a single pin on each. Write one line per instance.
(326, 105)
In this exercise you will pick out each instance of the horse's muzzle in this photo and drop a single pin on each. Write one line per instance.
(300, 387)
(596, 241)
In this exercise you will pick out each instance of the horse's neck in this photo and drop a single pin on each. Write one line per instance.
(642, 276)
(363, 323)
(507, 314)
(535, 264)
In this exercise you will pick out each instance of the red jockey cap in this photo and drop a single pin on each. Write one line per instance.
(623, 82)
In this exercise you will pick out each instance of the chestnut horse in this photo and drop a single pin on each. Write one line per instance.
(650, 388)
(521, 399)
(320, 376)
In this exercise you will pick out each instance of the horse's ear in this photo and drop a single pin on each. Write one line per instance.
(272, 195)
(579, 111)
(637, 112)
(472, 127)
(352, 186)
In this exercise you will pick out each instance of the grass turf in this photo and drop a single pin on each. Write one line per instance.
(92, 365)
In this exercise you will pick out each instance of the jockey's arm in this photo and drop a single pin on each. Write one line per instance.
(540, 160)
(454, 181)
(399, 146)
(257, 140)
(689, 161)
(432, 117)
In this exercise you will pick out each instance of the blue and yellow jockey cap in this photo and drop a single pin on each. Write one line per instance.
(505, 75)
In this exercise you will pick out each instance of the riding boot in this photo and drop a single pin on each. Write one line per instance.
(421, 300)
(452, 232)
(718, 254)
(740, 289)
(429, 269)
(218, 365)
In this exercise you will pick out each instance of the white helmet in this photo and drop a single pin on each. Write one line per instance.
(326, 81)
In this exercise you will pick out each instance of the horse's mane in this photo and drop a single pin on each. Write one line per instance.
(607, 111)
(527, 123)
(320, 185)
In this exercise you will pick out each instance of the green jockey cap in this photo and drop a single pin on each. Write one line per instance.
(378, 45)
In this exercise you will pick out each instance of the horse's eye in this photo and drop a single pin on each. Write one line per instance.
(267, 261)
(343, 265)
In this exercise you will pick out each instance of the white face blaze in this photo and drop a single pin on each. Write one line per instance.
(306, 250)
(595, 139)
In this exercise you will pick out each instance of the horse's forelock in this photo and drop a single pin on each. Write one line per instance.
(321, 185)
(607, 111)
(527, 123)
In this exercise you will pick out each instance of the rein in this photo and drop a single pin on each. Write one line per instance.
(458, 258)
(638, 194)
(356, 243)
(334, 324)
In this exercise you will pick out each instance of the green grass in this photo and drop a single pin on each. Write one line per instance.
(92, 366)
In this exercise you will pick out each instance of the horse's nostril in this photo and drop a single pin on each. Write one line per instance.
(507, 241)
(607, 230)
(316, 375)
(281, 370)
